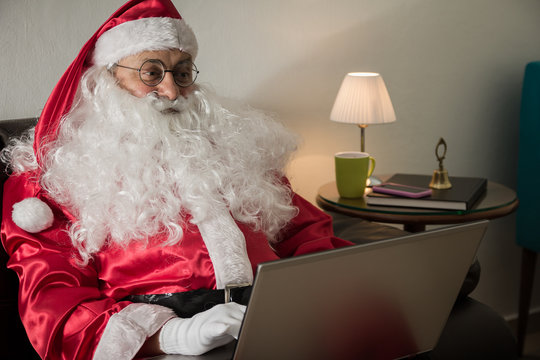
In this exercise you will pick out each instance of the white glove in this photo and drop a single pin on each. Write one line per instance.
(202, 332)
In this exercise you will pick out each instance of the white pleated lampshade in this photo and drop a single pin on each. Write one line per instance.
(363, 99)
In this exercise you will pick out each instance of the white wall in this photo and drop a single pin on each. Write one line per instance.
(453, 69)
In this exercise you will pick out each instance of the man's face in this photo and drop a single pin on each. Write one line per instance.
(130, 80)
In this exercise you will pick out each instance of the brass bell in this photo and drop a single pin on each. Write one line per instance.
(440, 179)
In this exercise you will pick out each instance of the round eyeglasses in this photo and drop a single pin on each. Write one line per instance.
(153, 71)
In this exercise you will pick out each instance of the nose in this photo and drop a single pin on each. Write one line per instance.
(167, 87)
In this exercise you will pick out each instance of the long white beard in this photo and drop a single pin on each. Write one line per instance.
(127, 171)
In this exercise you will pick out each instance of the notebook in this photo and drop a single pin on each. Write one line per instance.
(383, 300)
(463, 194)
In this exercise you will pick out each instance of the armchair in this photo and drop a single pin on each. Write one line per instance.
(14, 343)
(527, 233)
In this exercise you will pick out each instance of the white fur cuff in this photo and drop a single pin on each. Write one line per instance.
(32, 215)
(127, 330)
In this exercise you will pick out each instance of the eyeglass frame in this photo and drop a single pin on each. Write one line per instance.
(165, 70)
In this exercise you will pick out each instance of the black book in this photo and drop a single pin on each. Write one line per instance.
(463, 194)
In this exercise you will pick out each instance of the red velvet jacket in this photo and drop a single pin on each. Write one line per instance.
(65, 308)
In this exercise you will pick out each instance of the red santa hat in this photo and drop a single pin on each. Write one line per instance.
(137, 26)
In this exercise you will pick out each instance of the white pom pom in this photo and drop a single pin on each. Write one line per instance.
(32, 215)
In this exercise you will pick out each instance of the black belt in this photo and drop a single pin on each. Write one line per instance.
(188, 303)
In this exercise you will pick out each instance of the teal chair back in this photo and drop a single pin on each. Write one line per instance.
(528, 188)
(528, 191)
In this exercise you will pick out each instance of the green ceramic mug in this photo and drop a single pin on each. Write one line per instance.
(353, 168)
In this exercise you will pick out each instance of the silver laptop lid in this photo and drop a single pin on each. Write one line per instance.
(382, 300)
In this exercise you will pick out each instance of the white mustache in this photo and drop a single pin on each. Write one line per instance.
(165, 105)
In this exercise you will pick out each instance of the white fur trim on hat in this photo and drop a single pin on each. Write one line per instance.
(32, 215)
(147, 34)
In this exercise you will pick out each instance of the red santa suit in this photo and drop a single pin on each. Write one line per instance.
(66, 307)
(76, 312)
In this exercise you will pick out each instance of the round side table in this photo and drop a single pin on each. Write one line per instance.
(498, 201)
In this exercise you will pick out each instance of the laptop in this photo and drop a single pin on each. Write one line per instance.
(385, 300)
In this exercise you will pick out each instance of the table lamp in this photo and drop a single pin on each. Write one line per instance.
(363, 100)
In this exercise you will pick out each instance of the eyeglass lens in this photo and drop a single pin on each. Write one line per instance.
(153, 71)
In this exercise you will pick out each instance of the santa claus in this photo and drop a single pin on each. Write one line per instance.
(137, 181)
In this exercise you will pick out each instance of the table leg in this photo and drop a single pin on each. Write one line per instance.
(414, 227)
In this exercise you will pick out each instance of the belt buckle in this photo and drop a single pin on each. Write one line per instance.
(228, 289)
